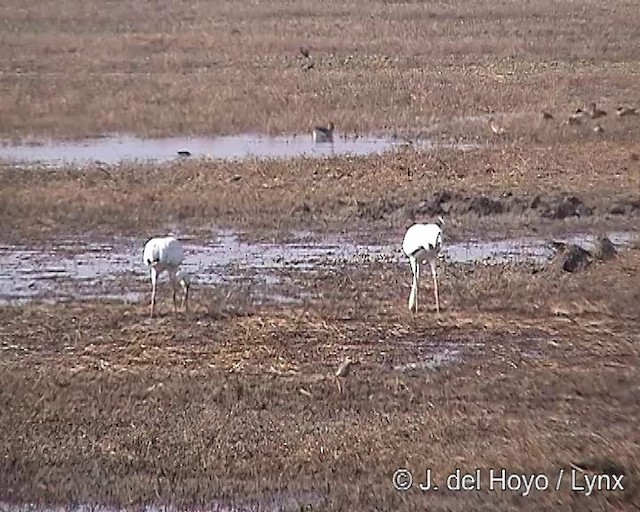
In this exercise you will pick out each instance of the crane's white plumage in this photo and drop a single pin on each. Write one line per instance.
(422, 243)
(166, 253)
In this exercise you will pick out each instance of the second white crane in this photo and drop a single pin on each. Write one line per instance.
(422, 243)
(166, 253)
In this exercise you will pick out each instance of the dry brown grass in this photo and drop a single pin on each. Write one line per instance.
(101, 404)
(377, 192)
(82, 67)
(606, 289)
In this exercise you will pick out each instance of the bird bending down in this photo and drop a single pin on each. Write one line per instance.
(166, 253)
(498, 130)
(343, 371)
(594, 112)
(626, 111)
(322, 134)
(422, 243)
(574, 119)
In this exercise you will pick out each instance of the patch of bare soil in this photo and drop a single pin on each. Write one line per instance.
(491, 190)
(528, 368)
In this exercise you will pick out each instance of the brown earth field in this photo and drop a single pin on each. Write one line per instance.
(75, 68)
(495, 191)
(235, 403)
(526, 368)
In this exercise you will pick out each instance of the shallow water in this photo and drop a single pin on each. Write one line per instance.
(73, 269)
(436, 357)
(116, 149)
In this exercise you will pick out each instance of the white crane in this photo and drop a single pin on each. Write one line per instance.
(422, 243)
(165, 253)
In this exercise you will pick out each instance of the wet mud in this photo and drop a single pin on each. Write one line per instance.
(550, 208)
(72, 269)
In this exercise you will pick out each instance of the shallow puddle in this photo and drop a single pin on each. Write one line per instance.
(116, 149)
(525, 248)
(436, 357)
(72, 269)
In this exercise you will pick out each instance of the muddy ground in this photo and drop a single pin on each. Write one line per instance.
(500, 190)
(527, 368)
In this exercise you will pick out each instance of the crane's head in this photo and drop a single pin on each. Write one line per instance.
(184, 280)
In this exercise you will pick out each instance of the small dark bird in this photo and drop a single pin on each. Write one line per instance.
(604, 249)
(575, 119)
(546, 116)
(322, 134)
(594, 112)
(343, 371)
(184, 153)
(626, 111)
(304, 52)
(344, 368)
(498, 130)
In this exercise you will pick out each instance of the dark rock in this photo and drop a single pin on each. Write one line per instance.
(437, 205)
(535, 203)
(625, 206)
(566, 206)
(422, 208)
(378, 209)
(575, 258)
(303, 210)
(605, 250)
(445, 208)
(618, 209)
(483, 205)
(443, 196)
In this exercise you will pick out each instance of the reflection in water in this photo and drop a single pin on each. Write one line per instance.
(116, 149)
(76, 268)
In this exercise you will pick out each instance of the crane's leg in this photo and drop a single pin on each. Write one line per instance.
(173, 287)
(414, 283)
(154, 280)
(185, 299)
(417, 283)
(435, 285)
